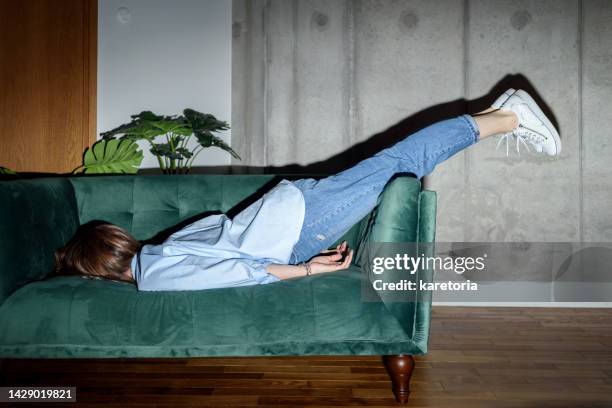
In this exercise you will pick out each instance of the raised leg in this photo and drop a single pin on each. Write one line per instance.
(400, 370)
(335, 203)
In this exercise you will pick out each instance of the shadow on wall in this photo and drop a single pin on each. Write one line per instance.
(408, 126)
(379, 141)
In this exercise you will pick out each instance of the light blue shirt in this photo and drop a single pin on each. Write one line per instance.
(217, 251)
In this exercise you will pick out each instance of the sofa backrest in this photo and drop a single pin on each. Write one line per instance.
(36, 217)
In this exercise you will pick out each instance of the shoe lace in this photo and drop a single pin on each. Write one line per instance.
(523, 136)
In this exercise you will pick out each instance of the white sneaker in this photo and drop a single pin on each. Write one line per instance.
(534, 128)
(503, 98)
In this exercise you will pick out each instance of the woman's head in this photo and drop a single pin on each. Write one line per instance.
(99, 250)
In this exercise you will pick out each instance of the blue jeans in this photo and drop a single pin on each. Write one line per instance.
(335, 203)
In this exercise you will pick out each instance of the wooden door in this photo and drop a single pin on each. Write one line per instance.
(47, 83)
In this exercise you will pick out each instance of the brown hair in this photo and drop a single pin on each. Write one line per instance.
(101, 250)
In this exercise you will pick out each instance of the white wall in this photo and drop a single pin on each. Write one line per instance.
(170, 55)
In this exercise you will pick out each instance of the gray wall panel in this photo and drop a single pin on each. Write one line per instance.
(597, 120)
(408, 57)
(280, 97)
(248, 80)
(321, 67)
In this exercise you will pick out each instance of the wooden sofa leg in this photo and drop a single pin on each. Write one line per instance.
(400, 370)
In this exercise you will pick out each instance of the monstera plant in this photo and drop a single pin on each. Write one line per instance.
(169, 137)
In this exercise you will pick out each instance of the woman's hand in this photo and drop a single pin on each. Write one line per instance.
(328, 261)
(331, 254)
(331, 261)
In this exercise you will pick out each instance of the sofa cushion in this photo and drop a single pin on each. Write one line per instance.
(322, 314)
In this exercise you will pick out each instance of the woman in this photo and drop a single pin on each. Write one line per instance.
(284, 234)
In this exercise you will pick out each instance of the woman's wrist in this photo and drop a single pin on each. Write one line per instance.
(308, 268)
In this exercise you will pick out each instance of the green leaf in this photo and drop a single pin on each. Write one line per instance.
(146, 116)
(112, 156)
(184, 152)
(164, 150)
(5, 171)
(161, 149)
(207, 139)
(204, 125)
(174, 125)
(204, 121)
(144, 126)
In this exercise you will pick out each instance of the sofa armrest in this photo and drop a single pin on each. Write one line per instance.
(404, 220)
(37, 217)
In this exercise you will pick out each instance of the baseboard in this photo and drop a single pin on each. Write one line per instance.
(527, 304)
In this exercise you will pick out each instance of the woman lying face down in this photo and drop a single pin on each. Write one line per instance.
(106, 251)
(286, 233)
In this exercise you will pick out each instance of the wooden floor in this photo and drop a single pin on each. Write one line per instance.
(480, 357)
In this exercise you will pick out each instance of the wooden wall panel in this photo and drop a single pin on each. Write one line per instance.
(47, 83)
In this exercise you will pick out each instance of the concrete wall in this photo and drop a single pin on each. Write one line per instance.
(312, 79)
(165, 56)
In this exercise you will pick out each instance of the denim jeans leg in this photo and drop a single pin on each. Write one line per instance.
(335, 203)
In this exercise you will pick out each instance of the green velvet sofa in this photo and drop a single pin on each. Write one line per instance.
(73, 317)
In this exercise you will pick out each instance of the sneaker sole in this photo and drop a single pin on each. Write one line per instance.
(540, 114)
